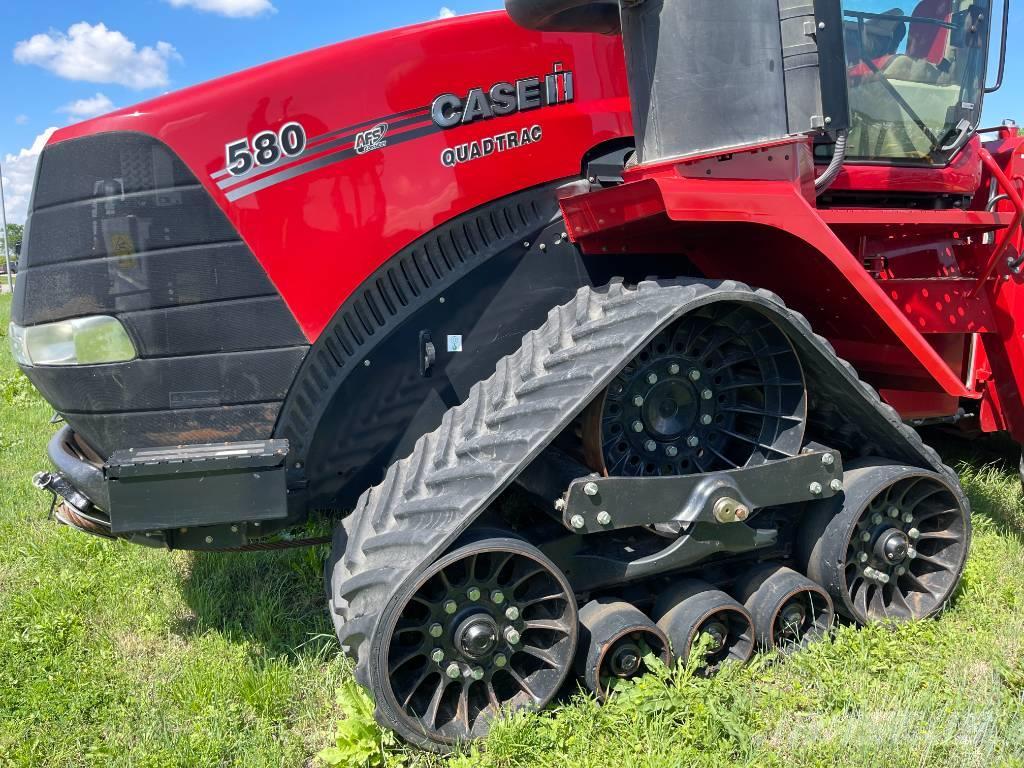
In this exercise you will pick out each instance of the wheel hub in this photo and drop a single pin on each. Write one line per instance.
(477, 636)
(625, 660)
(718, 633)
(792, 617)
(670, 409)
(892, 547)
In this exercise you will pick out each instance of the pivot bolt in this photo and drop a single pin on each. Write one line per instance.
(894, 512)
(693, 441)
(450, 607)
(500, 660)
(815, 488)
(705, 419)
(908, 517)
(477, 673)
(437, 656)
(707, 394)
(590, 489)
(914, 533)
(638, 426)
(473, 593)
(577, 521)
(652, 378)
(828, 459)
(651, 446)
(694, 374)
(671, 451)
(673, 369)
(436, 630)
(512, 636)
(603, 518)
(836, 485)
(511, 613)
(497, 597)
(453, 671)
(638, 401)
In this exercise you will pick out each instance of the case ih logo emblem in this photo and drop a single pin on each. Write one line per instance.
(367, 141)
(449, 110)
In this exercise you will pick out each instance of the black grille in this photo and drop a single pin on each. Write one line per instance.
(120, 226)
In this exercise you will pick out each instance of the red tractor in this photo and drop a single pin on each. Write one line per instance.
(605, 323)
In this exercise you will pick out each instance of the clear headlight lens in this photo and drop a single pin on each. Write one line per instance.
(81, 341)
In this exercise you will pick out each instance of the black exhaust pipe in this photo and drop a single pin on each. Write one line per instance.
(600, 16)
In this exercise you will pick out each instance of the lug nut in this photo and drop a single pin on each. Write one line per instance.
(815, 488)
(694, 374)
(453, 671)
(500, 660)
(706, 419)
(693, 441)
(911, 553)
(894, 512)
(450, 607)
(497, 597)
(914, 533)
(638, 401)
(577, 521)
(901, 570)
(473, 593)
(876, 519)
(436, 630)
(603, 518)
(866, 536)
(908, 517)
(590, 489)
(673, 369)
(652, 378)
(882, 578)
(863, 557)
(511, 613)
(707, 394)
(638, 426)
(477, 673)
(512, 636)
(651, 446)
(836, 485)
(437, 656)
(671, 451)
(828, 459)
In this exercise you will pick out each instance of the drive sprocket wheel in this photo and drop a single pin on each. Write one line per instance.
(489, 627)
(720, 389)
(893, 546)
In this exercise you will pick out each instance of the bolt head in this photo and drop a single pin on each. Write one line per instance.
(477, 673)
(914, 533)
(590, 489)
(674, 369)
(450, 607)
(437, 656)
(603, 518)
(559, 505)
(500, 660)
(577, 521)
(652, 378)
(473, 593)
(911, 553)
(815, 488)
(511, 613)
(436, 630)
(512, 636)
(908, 517)
(497, 597)
(706, 419)
(828, 459)
(209, 539)
(453, 671)
(638, 426)
(694, 374)
(882, 578)
(693, 441)
(863, 557)
(707, 394)
(876, 519)
(651, 446)
(742, 513)
(901, 570)
(671, 451)
(894, 512)
(836, 485)
(866, 536)
(638, 401)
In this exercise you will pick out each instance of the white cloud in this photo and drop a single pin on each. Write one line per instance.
(96, 54)
(19, 174)
(232, 8)
(446, 12)
(86, 108)
(21, 120)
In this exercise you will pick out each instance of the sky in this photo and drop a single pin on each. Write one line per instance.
(62, 61)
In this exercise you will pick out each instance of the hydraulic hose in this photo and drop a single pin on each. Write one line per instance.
(823, 182)
(600, 16)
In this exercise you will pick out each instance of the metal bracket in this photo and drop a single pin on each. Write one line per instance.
(719, 498)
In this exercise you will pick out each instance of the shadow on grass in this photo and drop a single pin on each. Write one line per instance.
(273, 599)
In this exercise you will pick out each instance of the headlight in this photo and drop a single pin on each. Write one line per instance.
(82, 341)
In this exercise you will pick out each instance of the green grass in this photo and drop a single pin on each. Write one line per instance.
(111, 654)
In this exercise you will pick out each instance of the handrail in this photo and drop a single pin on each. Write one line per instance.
(1011, 192)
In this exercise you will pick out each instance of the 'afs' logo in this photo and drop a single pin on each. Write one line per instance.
(367, 141)
(449, 110)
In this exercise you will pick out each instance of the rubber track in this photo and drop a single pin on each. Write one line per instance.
(429, 498)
